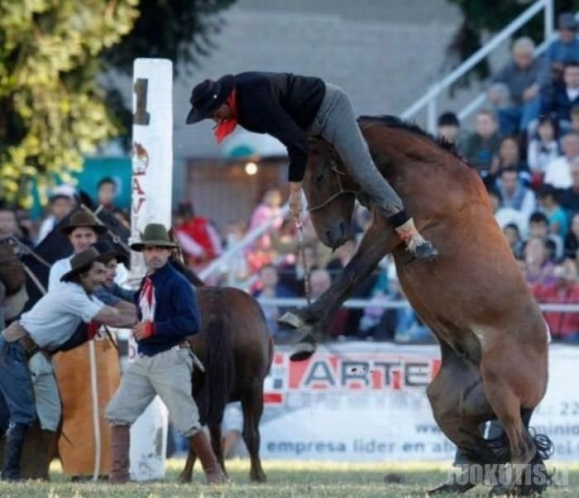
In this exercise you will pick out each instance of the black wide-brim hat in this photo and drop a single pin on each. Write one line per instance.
(207, 96)
(108, 252)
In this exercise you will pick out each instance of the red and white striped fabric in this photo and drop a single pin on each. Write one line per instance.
(147, 301)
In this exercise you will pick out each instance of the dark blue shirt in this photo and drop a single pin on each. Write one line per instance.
(176, 311)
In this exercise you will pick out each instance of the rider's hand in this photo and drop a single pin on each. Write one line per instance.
(295, 203)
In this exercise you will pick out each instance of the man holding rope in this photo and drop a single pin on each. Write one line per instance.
(43, 331)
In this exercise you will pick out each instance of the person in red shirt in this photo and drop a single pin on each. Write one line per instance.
(564, 325)
(197, 236)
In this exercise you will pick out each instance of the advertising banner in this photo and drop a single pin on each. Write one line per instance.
(367, 402)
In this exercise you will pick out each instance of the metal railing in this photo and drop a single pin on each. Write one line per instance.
(428, 100)
(400, 304)
(219, 265)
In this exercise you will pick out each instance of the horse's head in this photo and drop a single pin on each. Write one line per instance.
(331, 193)
(12, 274)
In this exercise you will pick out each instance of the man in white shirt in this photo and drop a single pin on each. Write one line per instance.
(48, 326)
(558, 171)
(82, 232)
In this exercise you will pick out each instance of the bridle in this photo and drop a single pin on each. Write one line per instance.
(343, 191)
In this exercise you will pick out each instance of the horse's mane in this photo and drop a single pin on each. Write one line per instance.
(396, 122)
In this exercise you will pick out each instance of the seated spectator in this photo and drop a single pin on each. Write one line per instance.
(507, 215)
(106, 192)
(261, 251)
(60, 204)
(9, 226)
(539, 227)
(270, 287)
(570, 196)
(514, 193)
(556, 216)
(572, 239)
(543, 148)
(407, 327)
(341, 258)
(538, 265)
(236, 268)
(574, 120)
(284, 242)
(509, 156)
(558, 171)
(198, 237)
(565, 48)
(515, 88)
(558, 98)
(483, 144)
(564, 325)
(513, 236)
(372, 323)
(449, 130)
(292, 275)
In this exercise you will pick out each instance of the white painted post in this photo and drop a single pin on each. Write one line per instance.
(151, 203)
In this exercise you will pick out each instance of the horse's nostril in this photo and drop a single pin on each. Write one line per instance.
(342, 228)
(329, 235)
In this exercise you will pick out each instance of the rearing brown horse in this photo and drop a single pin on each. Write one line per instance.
(493, 339)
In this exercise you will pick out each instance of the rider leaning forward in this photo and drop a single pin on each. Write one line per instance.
(291, 108)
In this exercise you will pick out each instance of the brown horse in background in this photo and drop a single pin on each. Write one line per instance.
(236, 348)
(493, 339)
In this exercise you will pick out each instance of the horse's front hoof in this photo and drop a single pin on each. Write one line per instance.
(302, 351)
(291, 319)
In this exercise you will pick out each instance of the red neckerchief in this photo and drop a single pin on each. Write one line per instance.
(147, 300)
(226, 127)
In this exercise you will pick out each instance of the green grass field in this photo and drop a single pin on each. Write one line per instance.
(285, 479)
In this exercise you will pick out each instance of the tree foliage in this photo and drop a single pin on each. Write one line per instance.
(481, 18)
(53, 111)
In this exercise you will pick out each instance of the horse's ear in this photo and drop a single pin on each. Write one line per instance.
(84, 198)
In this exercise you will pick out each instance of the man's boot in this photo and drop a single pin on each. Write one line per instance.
(415, 243)
(201, 445)
(120, 444)
(13, 451)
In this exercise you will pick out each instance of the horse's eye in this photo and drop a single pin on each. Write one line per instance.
(319, 177)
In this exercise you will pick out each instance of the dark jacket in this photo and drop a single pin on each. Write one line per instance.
(176, 311)
(555, 101)
(283, 106)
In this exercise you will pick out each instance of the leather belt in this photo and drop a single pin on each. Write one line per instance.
(17, 333)
(181, 345)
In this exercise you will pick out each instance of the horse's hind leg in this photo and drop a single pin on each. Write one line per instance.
(252, 405)
(459, 406)
(187, 472)
(498, 373)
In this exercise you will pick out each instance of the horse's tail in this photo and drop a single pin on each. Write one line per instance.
(219, 368)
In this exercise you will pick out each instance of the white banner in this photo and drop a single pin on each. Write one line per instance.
(367, 402)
